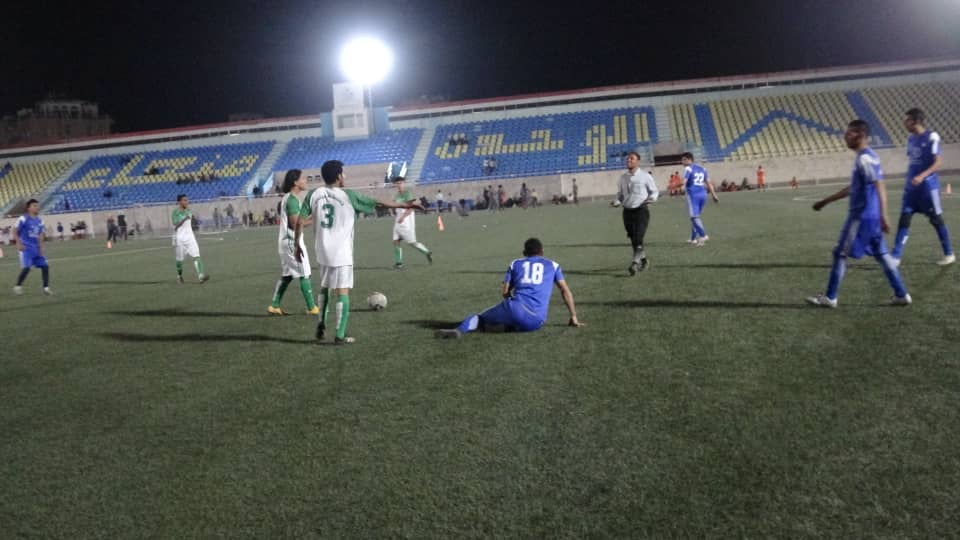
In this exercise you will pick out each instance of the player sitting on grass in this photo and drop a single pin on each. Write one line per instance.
(526, 290)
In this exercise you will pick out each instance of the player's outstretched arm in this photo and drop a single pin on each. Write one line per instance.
(414, 204)
(568, 300)
(842, 194)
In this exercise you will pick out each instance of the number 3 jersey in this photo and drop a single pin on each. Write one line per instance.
(531, 280)
(334, 213)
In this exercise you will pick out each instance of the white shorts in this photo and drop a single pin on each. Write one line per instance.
(187, 248)
(335, 277)
(289, 265)
(406, 234)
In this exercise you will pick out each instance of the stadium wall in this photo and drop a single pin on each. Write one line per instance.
(818, 169)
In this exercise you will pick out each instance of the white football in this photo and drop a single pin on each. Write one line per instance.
(377, 301)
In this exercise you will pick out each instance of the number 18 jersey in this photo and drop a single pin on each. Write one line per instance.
(532, 279)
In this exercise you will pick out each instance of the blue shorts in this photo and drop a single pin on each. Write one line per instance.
(695, 203)
(922, 200)
(513, 315)
(30, 258)
(860, 237)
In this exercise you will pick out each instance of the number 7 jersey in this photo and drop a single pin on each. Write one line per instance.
(334, 213)
(532, 280)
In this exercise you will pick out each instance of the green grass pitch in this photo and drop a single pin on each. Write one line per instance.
(702, 399)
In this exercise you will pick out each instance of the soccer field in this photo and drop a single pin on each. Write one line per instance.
(702, 399)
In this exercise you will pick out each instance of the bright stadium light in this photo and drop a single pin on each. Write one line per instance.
(366, 60)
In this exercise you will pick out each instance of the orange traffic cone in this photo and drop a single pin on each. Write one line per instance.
(109, 244)
(439, 222)
(949, 190)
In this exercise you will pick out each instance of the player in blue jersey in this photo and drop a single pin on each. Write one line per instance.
(862, 232)
(921, 192)
(28, 233)
(698, 184)
(526, 290)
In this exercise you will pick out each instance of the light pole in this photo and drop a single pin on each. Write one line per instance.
(366, 61)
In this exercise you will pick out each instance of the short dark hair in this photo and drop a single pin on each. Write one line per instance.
(31, 201)
(290, 179)
(859, 125)
(181, 196)
(916, 115)
(634, 152)
(687, 155)
(331, 171)
(532, 247)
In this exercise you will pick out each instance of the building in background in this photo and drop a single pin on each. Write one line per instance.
(54, 119)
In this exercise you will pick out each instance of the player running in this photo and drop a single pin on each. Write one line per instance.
(294, 183)
(184, 242)
(28, 233)
(921, 192)
(405, 227)
(526, 290)
(866, 222)
(697, 185)
(335, 209)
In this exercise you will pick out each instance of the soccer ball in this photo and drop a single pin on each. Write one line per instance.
(377, 301)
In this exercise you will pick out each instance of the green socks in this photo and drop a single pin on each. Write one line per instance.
(281, 288)
(421, 248)
(397, 254)
(325, 293)
(180, 268)
(198, 265)
(342, 313)
(307, 289)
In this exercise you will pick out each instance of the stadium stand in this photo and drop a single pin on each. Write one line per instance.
(940, 101)
(544, 144)
(203, 173)
(22, 180)
(311, 152)
(769, 126)
(802, 124)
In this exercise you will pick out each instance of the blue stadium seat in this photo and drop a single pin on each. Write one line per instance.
(311, 152)
(116, 181)
(537, 145)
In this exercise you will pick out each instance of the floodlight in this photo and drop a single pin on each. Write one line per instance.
(366, 60)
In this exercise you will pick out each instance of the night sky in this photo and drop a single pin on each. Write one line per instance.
(167, 64)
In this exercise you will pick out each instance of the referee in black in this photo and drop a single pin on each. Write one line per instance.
(635, 192)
